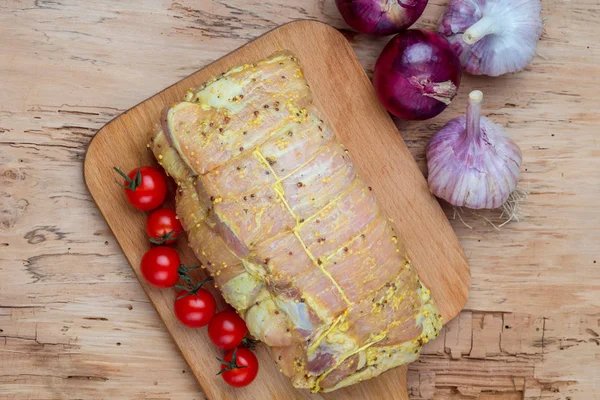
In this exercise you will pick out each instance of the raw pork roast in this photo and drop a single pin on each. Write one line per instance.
(294, 239)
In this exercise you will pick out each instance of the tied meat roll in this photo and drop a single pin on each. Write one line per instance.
(295, 240)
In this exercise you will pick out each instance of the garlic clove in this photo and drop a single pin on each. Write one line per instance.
(472, 162)
(493, 37)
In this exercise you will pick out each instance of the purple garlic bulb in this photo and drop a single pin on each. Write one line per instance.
(472, 162)
(493, 37)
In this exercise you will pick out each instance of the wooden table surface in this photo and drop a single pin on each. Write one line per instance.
(75, 322)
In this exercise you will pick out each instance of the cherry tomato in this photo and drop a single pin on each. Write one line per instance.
(160, 266)
(227, 330)
(231, 372)
(195, 310)
(163, 227)
(145, 187)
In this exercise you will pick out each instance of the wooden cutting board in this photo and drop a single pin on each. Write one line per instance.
(344, 93)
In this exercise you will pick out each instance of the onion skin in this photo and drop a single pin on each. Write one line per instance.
(417, 75)
(380, 17)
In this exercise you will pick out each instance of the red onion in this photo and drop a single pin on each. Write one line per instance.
(417, 74)
(380, 17)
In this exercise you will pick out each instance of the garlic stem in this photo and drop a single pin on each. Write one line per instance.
(485, 26)
(473, 113)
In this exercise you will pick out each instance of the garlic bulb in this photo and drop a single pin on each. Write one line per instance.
(472, 162)
(493, 37)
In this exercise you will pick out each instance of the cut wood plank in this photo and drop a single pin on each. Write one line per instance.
(344, 93)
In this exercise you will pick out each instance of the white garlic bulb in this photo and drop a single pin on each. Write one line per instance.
(493, 37)
(472, 162)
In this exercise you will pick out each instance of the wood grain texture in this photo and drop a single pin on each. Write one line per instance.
(345, 95)
(74, 321)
